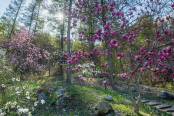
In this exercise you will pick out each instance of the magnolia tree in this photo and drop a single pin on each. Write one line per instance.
(22, 52)
(120, 28)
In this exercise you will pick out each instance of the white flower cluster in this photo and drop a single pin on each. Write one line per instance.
(23, 110)
(35, 103)
(2, 113)
(16, 79)
(10, 105)
(3, 85)
(42, 101)
(86, 65)
(87, 69)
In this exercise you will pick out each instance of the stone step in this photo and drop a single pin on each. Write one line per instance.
(172, 113)
(162, 106)
(171, 109)
(144, 101)
(152, 103)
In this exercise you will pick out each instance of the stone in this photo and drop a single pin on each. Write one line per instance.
(76, 77)
(60, 91)
(108, 97)
(163, 106)
(152, 103)
(126, 100)
(170, 109)
(134, 90)
(101, 108)
(166, 95)
(144, 101)
(42, 96)
(60, 100)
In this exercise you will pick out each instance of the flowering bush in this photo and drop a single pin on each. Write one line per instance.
(22, 52)
(87, 70)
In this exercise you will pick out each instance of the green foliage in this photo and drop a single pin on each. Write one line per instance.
(53, 98)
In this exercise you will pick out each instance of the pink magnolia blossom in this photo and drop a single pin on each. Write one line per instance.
(77, 68)
(138, 57)
(164, 71)
(172, 75)
(122, 26)
(113, 32)
(113, 41)
(112, 3)
(119, 55)
(155, 69)
(103, 73)
(132, 72)
(95, 49)
(105, 82)
(81, 79)
(142, 69)
(123, 75)
(154, 78)
(84, 19)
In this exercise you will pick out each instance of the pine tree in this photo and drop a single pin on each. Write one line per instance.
(12, 13)
(30, 18)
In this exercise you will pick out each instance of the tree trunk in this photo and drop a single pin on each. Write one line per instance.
(34, 32)
(14, 21)
(110, 69)
(31, 18)
(61, 43)
(69, 46)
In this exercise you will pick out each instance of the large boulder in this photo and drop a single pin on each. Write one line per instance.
(166, 95)
(42, 96)
(60, 91)
(101, 108)
(61, 99)
(107, 97)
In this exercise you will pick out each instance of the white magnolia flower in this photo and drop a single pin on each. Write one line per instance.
(23, 110)
(5, 67)
(18, 79)
(2, 114)
(13, 79)
(18, 107)
(28, 97)
(42, 101)
(18, 93)
(35, 103)
(6, 107)
(3, 85)
(29, 114)
(14, 103)
(17, 88)
(9, 69)
(27, 93)
(23, 87)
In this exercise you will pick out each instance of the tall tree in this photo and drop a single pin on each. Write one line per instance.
(39, 2)
(69, 45)
(12, 13)
(29, 15)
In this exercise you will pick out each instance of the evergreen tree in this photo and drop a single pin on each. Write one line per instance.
(12, 13)
(29, 15)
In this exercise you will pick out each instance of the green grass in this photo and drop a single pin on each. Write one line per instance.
(85, 97)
